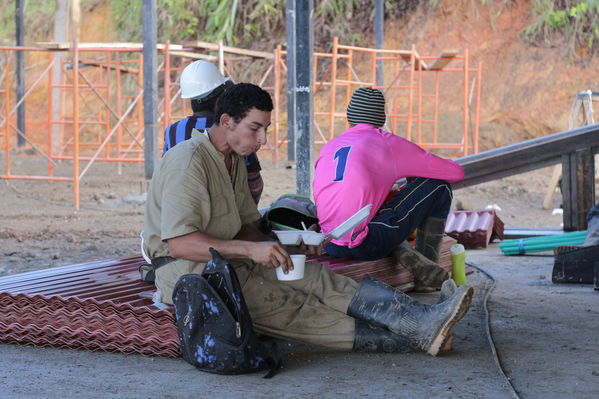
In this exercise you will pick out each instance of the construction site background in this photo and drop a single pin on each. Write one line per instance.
(525, 92)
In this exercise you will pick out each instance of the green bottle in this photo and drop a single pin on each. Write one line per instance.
(458, 260)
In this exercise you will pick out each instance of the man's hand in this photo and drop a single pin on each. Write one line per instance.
(308, 249)
(271, 254)
(316, 249)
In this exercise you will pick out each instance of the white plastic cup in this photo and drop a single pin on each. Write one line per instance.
(299, 264)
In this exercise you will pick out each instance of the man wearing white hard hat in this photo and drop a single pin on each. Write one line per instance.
(202, 83)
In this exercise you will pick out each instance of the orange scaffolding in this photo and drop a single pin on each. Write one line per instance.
(94, 110)
(414, 90)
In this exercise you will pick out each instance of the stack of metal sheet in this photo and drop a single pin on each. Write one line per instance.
(99, 305)
(474, 229)
(103, 305)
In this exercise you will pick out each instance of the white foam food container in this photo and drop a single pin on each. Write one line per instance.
(312, 237)
(289, 237)
(351, 223)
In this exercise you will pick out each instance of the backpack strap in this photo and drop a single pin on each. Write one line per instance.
(150, 273)
(274, 361)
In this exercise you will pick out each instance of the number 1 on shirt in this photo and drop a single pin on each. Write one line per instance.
(341, 156)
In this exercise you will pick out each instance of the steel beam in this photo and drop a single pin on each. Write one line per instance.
(574, 148)
(303, 93)
(527, 155)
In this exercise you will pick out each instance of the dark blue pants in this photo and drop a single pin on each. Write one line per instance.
(398, 217)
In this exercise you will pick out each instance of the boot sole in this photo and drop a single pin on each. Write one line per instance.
(445, 331)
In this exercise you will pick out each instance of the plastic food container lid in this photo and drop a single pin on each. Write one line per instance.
(351, 223)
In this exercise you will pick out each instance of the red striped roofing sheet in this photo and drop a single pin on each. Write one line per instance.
(474, 229)
(102, 305)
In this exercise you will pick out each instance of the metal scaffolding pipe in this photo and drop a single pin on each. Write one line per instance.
(150, 86)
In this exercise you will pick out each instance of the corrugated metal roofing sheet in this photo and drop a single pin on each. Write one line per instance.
(102, 305)
(474, 229)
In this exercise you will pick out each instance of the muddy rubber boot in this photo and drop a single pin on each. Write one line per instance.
(369, 338)
(429, 237)
(428, 276)
(427, 327)
(447, 289)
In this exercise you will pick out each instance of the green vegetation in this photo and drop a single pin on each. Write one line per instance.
(37, 13)
(234, 21)
(241, 22)
(575, 20)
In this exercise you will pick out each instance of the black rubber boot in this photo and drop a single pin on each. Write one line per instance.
(369, 338)
(428, 275)
(429, 237)
(424, 326)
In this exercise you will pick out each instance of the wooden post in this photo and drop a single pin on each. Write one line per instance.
(221, 57)
(578, 187)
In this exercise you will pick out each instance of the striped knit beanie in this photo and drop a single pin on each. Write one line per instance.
(367, 105)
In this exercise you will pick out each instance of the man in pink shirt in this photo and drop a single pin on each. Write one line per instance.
(360, 167)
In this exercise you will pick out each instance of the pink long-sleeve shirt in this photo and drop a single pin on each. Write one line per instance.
(360, 167)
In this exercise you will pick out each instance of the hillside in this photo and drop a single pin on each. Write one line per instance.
(527, 90)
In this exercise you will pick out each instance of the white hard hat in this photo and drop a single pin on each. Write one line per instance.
(199, 78)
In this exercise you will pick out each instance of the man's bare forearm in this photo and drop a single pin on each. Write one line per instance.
(195, 246)
(249, 233)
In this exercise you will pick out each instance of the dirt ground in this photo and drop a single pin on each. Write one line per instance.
(545, 333)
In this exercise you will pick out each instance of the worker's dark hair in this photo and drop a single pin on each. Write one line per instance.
(203, 104)
(239, 99)
(208, 103)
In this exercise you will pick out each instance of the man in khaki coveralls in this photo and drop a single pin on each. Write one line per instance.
(199, 198)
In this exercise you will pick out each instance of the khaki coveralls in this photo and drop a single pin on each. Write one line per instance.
(191, 190)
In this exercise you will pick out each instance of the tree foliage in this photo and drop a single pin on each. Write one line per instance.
(575, 20)
(243, 21)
